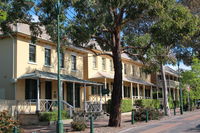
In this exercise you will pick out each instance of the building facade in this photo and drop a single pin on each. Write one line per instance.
(28, 73)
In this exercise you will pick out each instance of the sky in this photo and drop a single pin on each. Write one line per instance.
(182, 66)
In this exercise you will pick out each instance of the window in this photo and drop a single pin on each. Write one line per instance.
(32, 53)
(140, 69)
(125, 68)
(94, 61)
(62, 59)
(126, 91)
(111, 65)
(47, 56)
(95, 90)
(73, 59)
(30, 89)
(104, 63)
(133, 70)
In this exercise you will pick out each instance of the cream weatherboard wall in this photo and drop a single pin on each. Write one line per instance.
(6, 68)
(24, 66)
(129, 70)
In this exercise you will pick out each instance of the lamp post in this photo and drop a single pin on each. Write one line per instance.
(59, 122)
(180, 89)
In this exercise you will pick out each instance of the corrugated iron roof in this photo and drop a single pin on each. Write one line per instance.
(53, 76)
(111, 76)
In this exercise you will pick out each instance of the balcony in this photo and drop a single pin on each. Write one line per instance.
(170, 83)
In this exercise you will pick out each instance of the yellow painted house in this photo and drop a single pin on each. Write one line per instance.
(28, 74)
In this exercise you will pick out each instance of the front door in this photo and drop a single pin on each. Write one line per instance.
(70, 94)
(48, 95)
(48, 90)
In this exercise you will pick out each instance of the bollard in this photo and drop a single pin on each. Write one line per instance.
(174, 107)
(132, 117)
(14, 129)
(147, 116)
(91, 125)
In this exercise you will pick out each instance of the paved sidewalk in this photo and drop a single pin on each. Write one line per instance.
(126, 126)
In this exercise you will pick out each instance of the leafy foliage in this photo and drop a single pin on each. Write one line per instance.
(7, 123)
(148, 103)
(153, 114)
(191, 78)
(52, 116)
(126, 105)
(79, 125)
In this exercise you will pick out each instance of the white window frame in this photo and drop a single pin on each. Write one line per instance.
(32, 62)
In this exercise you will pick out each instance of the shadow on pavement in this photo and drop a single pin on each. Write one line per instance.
(196, 129)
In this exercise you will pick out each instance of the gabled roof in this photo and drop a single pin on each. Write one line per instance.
(171, 71)
(53, 76)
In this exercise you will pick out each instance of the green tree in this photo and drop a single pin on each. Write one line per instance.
(3, 14)
(191, 78)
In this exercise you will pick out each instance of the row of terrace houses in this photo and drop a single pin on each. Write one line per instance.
(28, 74)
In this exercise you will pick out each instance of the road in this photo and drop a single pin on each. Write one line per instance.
(188, 123)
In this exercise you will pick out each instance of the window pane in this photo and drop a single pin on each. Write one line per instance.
(32, 53)
(94, 61)
(62, 60)
(47, 57)
(104, 63)
(73, 59)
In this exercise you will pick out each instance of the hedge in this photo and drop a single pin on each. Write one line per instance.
(145, 103)
(126, 105)
(52, 116)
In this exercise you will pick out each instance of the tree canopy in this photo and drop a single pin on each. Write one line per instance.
(191, 78)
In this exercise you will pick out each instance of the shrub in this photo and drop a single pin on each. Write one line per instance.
(52, 116)
(78, 125)
(126, 105)
(153, 114)
(147, 103)
(7, 123)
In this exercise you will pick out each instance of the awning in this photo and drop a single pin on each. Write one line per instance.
(111, 76)
(53, 76)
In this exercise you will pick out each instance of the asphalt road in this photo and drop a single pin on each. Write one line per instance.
(187, 123)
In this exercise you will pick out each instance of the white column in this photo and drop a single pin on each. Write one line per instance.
(38, 96)
(85, 98)
(105, 86)
(144, 91)
(100, 98)
(151, 92)
(74, 95)
(132, 92)
(122, 90)
(138, 90)
(157, 92)
(174, 91)
(61, 86)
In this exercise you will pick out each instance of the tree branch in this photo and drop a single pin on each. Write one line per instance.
(101, 40)
(98, 54)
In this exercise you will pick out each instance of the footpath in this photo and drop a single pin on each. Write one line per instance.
(100, 125)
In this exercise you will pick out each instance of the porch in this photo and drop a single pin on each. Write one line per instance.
(39, 90)
(131, 88)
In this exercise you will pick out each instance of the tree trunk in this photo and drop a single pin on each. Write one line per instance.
(166, 102)
(115, 111)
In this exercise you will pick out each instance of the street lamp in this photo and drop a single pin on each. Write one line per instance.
(180, 89)
(59, 122)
